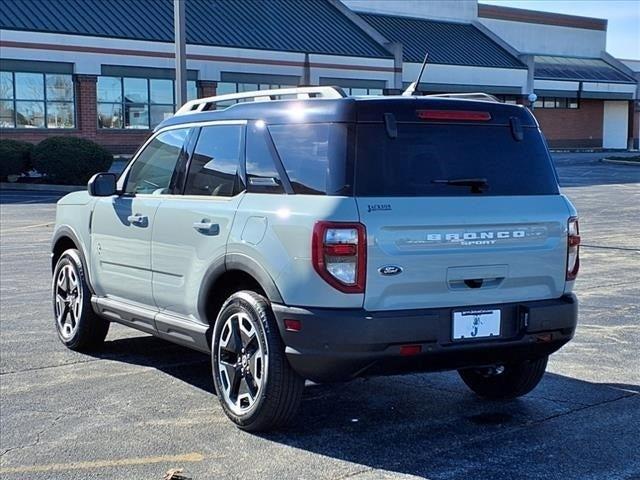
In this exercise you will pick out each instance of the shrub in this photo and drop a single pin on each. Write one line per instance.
(70, 160)
(15, 157)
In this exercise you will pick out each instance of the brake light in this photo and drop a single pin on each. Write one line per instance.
(453, 115)
(339, 253)
(573, 248)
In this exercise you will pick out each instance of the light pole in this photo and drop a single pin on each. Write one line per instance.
(181, 51)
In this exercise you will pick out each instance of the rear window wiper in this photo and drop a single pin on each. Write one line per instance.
(477, 184)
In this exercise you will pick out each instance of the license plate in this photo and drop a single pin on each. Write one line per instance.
(471, 324)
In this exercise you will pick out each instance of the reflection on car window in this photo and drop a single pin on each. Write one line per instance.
(214, 166)
(314, 157)
(262, 175)
(154, 169)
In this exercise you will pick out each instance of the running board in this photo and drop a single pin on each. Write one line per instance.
(171, 327)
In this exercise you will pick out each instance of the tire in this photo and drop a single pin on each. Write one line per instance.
(78, 326)
(515, 380)
(256, 386)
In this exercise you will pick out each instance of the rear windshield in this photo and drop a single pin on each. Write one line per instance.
(429, 159)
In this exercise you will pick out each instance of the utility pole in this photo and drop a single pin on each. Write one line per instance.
(179, 26)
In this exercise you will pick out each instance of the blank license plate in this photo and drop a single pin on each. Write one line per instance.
(472, 324)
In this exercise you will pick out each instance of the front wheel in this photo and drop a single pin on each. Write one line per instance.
(78, 326)
(256, 386)
(505, 381)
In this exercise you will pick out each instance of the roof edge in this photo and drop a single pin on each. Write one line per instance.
(546, 18)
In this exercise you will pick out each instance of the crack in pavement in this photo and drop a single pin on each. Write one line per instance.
(36, 441)
(118, 358)
(508, 431)
(580, 289)
(625, 249)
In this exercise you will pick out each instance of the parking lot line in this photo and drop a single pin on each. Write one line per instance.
(123, 462)
(26, 227)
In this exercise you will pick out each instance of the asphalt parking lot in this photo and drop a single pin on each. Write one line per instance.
(142, 406)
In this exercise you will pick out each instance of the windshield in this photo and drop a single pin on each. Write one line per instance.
(451, 160)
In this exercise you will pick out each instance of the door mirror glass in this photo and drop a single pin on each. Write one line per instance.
(102, 185)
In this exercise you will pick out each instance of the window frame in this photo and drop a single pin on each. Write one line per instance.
(44, 100)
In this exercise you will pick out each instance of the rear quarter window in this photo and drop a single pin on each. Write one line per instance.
(315, 157)
(409, 164)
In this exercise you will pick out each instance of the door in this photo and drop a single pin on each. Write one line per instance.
(122, 225)
(191, 230)
(615, 125)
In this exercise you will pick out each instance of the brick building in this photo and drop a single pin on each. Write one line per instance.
(103, 69)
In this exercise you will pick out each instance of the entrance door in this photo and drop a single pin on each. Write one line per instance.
(615, 124)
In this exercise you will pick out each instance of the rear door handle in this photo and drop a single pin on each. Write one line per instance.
(207, 228)
(138, 220)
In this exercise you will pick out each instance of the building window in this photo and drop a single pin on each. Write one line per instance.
(225, 88)
(358, 92)
(557, 102)
(137, 103)
(510, 99)
(36, 100)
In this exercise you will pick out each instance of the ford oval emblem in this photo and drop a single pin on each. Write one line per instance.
(389, 270)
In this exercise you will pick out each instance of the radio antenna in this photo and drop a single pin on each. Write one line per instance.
(414, 87)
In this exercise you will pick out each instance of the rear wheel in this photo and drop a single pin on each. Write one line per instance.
(505, 381)
(78, 326)
(256, 386)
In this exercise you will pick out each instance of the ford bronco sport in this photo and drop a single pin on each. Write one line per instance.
(318, 237)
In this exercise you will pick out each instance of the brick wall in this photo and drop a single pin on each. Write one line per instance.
(206, 88)
(573, 128)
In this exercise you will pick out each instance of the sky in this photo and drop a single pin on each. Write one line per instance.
(623, 32)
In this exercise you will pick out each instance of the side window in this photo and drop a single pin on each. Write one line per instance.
(262, 175)
(315, 157)
(153, 172)
(214, 165)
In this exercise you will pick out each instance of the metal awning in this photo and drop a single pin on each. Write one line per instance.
(578, 69)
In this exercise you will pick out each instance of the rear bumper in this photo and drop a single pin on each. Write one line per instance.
(339, 344)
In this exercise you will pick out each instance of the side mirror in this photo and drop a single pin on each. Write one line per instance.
(102, 185)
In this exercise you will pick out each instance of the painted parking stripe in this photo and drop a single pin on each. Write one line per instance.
(26, 227)
(95, 464)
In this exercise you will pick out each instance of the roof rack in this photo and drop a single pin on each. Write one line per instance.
(483, 97)
(202, 104)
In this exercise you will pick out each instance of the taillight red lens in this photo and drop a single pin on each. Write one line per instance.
(339, 253)
(466, 115)
(573, 248)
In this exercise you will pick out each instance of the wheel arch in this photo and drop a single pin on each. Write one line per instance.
(63, 239)
(235, 272)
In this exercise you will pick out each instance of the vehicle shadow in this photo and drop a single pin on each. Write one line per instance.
(431, 425)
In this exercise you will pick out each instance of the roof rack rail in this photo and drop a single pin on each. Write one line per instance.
(202, 104)
(483, 97)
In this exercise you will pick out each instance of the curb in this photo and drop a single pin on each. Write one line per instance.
(620, 162)
(41, 187)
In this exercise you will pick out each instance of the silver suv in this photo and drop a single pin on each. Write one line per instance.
(314, 236)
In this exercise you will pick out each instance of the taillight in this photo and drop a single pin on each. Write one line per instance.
(573, 248)
(339, 255)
